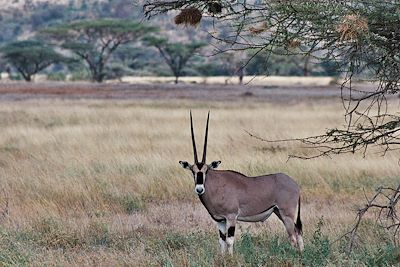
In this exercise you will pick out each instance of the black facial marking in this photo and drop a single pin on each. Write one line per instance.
(199, 165)
(222, 236)
(276, 211)
(199, 178)
(231, 231)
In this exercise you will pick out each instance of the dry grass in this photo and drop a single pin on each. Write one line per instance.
(101, 180)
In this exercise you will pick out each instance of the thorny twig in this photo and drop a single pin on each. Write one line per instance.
(384, 205)
(372, 50)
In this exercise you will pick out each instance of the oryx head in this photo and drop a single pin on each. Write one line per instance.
(199, 169)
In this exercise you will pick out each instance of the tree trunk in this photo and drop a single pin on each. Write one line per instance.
(176, 79)
(97, 76)
(306, 71)
(27, 77)
(96, 71)
(240, 73)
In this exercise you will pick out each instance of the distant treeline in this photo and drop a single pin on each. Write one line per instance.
(98, 40)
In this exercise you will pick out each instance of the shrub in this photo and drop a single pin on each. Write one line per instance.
(132, 204)
(56, 76)
(98, 234)
(316, 252)
(51, 233)
(12, 251)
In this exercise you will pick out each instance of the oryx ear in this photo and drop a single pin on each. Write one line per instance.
(214, 164)
(185, 164)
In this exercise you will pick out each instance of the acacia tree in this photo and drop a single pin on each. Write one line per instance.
(30, 57)
(358, 35)
(175, 55)
(362, 37)
(94, 41)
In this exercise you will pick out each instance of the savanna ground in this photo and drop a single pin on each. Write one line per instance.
(94, 180)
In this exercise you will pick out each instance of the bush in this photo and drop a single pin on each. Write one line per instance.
(98, 234)
(132, 204)
(82, 75)
(51, 233)
(12, 251)
(117, 71)
(56, 76)
(316, 252)
(252, 255)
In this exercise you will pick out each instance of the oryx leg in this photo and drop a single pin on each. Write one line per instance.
(222, 236)
(230, 233)
(294, 236)
(300, 242)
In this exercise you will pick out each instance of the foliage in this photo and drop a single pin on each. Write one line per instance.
(117, 71)
(212, 69)
(318, 249)
(132, 204)
(30, 57)
(46, 14)
(175, 55)
(282, 64)
(384, 203)
(50, 233)
(201, 249)
(95, 40)
(130, 56)
(12, 252)
(56, 76)
(358, 36)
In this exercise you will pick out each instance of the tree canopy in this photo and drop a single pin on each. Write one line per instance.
(95, 40)
(175, 55)
(360, 37)
(30, 57)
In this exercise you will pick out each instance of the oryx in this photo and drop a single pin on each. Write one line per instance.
(230, 196)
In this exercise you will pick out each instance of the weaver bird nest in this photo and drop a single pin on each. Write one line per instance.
(214, 7)
(192, 15)
(352, 27)
(258, 29)
(189, 16)
(293, 43)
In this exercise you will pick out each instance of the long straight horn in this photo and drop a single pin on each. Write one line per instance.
(205, 140)
(193, 141)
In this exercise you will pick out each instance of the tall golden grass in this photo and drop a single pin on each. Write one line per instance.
(112, 166)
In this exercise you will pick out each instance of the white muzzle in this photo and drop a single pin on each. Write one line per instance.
(199, 189)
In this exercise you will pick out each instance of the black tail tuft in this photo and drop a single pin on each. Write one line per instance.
(298, 224)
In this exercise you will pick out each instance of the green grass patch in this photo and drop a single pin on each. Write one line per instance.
(201, 249)
(12, 251)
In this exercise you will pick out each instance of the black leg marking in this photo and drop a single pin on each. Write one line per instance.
(222, 236)
(276, 211)
(231, 231)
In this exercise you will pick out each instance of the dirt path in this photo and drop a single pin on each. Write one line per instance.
(22, 91)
